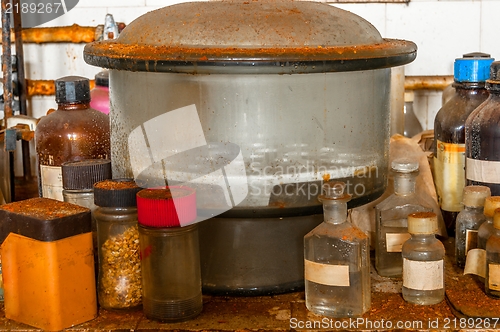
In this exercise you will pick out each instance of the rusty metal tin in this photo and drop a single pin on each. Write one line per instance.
(244, 36)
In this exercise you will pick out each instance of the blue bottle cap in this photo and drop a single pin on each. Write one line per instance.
(473, 67)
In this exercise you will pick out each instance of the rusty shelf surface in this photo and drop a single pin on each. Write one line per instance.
(466, 307)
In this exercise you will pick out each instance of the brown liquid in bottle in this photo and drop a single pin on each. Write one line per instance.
(73, 132)
(482, 139)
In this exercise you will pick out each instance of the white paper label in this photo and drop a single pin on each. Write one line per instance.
(423, 275)
(483, 171)
(326, 274)
(470, 240)
(494, 277)
(394, 241)
(51, 178)
(475, 263)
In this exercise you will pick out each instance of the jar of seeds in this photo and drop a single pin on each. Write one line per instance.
(119, 280)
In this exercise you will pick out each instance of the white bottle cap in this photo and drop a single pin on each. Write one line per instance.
(474, 196)
(422, 223)
(490, 205)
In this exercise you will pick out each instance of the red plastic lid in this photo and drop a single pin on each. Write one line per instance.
(169, 206)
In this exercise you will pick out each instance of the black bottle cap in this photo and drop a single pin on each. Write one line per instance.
(102, 78)
(493, 84)
(72, 89)
(84, 173)
(116, 193)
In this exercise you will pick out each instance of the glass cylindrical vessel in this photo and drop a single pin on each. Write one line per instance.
(336, 260)
(119, 280)
(469, 220)
(73, 132)
(482, 137)
(423, 261)
(171, 274)
(470, 75)
(391, 225)
(492, 280)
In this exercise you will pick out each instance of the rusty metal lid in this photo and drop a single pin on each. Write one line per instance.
(270, 36)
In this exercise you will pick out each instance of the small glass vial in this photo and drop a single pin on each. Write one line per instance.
(486, 229)
(73, 132)
(469, 220)
(423, 261)
(492, 281)
(391, 225)
(119, 280)
(171, 273)
(336, 260)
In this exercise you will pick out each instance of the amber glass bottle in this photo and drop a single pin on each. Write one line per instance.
(471, 72)
(73, 132)
(482, 138)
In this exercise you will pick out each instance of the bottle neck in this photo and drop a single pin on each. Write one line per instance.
(73, 106)
(335, 212)
(469, 87)
(404, 183)
(478, 209)
(423, 237)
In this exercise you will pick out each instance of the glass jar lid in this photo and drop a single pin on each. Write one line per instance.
(284, 36)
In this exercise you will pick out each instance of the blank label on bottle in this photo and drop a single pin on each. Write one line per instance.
(483, 171)
(51, 178)
(326, 274)
(423, 275)
(470, 240)
(494, 276)
(475, 262)
(394, 241)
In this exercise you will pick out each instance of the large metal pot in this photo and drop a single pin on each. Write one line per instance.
(254, 103)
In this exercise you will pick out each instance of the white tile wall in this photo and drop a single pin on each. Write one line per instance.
(442, 30)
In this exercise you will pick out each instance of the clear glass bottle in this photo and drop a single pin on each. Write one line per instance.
(171, 273)
(482, 137)
(412, 124)
(391, 225)
(470, 75)
(73, 132)
(469, 220)
(492, 281)
(486, 229)
(119, 281)
(423, 261)
(337, 260)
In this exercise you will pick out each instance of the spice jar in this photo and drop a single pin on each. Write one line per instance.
(423, 261)
(47, 263)
(119, 280)
(171, 275)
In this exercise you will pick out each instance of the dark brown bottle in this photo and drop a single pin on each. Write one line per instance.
(73, 132)
(482, 139)
(471, 72)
